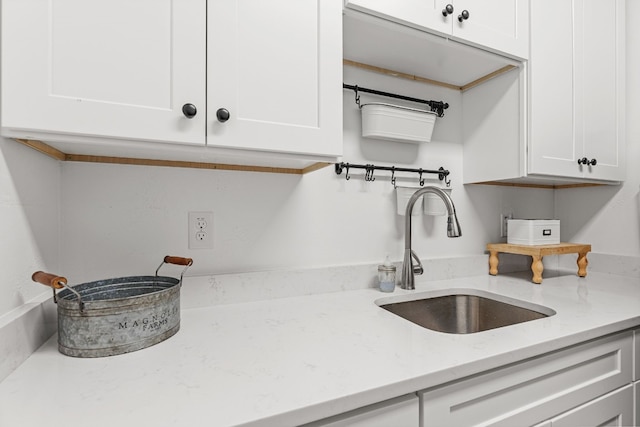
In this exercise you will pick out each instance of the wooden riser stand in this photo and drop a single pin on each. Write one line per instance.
(536, 253)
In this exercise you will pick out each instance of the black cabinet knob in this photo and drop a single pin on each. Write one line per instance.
(587, 162)
(222, 115)
(463, 16)
(448, 9)
(189, 111)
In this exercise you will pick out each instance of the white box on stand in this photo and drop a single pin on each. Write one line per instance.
(533, 231)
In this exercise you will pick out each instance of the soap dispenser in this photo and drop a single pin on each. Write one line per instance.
(387, 276)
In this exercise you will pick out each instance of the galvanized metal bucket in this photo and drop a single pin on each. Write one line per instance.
(116, 316)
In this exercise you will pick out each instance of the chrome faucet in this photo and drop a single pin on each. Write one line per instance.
(409, 269)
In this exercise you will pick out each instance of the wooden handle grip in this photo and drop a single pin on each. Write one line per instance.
(178, 260)
(48, 279)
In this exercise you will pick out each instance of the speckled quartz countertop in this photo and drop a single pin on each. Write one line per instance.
(293, 360)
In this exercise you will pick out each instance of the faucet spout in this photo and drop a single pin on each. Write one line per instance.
(409, 269)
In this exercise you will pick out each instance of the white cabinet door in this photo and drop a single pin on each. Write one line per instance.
(601, 81)
(276, 67)
(553, 145)
(420, 14)
(577, 89)
(118, 69)
(400, 412)
(500, 25)
(613, 409)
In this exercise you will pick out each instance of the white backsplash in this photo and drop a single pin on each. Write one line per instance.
(204, 291)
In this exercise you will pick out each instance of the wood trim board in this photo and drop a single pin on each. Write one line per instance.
(59, 155)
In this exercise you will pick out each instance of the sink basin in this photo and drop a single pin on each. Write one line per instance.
(466, 312)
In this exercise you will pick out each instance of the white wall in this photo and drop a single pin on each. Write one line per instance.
(29, 225)
(121, 220)
(609, 217)
(91, 221)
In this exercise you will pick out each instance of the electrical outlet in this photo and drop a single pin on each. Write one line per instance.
(504, 218)
(200, 230)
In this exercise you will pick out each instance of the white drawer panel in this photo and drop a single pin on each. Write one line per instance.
(531, 392)
(402, 412)
(614, 409)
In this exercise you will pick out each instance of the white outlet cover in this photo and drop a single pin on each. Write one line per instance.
(200, 229)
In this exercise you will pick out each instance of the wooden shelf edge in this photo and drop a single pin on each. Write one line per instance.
(43, 148)
(489, 76)
(59, 155)
(398, 74)
(426, 80)
(543, 186)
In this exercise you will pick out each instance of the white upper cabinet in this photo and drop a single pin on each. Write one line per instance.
(117, 69)
(414, 13)
(496, 25)
(247, 78)
(276, 68)
(560, 119)
(577, 89)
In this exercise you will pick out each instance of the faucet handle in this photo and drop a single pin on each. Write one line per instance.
(417, 269)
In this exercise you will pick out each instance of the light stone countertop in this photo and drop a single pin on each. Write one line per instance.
(293, 360)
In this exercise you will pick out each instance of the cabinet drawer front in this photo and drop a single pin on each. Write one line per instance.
(613, 409)
(401, 411)
(531, 392)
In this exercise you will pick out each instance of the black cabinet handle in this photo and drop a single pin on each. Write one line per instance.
(189, 111)
(587, 162)
(463, 16)
(222, 115)
(448, 9)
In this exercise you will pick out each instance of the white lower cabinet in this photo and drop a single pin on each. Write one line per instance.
(613, 409)
(636, 376)
(636, 354)
(636, 410)
(589, 384)
(536, 391)
(399, 412)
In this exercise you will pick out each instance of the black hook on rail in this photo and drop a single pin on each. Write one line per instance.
(369, 173)
(442, 173)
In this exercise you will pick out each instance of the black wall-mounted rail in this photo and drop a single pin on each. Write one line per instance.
(442, 173)
(437, 107)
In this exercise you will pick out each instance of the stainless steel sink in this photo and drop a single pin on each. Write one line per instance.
(465, 313)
